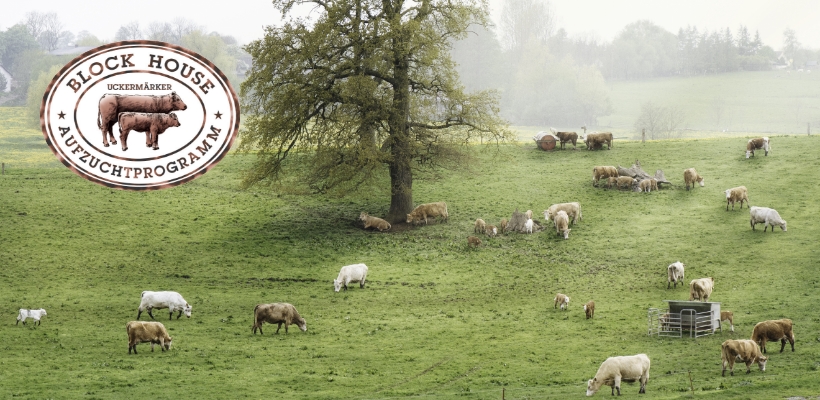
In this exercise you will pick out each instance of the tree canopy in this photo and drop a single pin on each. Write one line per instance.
(361, 85)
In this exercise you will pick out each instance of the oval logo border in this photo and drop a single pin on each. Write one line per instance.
(223, 148)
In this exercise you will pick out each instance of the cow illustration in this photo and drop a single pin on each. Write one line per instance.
(153, 124)
(111, 105)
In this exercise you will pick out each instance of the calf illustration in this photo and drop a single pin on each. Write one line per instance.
(153, 124)
(111, 105)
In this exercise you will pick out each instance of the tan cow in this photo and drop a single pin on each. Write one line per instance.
(424, 211)
(701, 289)
(743, 350)
(147, 332)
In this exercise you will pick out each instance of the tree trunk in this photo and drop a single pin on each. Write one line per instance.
(401, 173)
(401, 191)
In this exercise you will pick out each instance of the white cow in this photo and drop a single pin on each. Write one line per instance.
(766, 216)
(33, 314)
(173, 301)
(350, 273)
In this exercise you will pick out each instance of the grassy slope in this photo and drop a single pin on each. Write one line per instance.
(436, 318)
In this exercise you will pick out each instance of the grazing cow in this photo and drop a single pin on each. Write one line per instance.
(561, 222)
(738, 194)
(422, 212)
(561, 300)
(774, 330)
(147, 332)
(277, 313)
(349, 274)
(503, 225)
(153, 124)
(173, 301)
(755, 144)
(573, 210)
(33, 314)
(674, 274)
(767, 217)
(742, 350)
(473, 241)
(111, 105)
(690, 176)
(701, 289)
(616, 369)
(491, 230)
(528, 225)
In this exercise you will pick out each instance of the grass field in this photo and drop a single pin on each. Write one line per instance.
(738, 104)
(721, 105)
(436, 319)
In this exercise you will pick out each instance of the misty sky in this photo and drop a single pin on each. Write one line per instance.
(244, 19)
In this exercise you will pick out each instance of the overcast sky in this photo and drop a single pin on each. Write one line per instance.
(245, 19)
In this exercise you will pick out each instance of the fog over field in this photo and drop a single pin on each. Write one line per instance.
(621, 66)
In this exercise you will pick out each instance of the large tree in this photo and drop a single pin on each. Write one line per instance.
(359, 85)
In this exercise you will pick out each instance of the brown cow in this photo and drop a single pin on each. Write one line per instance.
(277, 313)
(111, 105)
(774, 330)
(567, 137)
(153, 124)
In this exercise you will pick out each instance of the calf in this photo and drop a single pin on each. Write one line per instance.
(589, 309)
(561, 300)
(153, 124)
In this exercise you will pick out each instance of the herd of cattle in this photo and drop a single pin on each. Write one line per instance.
(611, 372)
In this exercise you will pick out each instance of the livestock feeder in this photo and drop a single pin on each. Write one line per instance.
(696, 318)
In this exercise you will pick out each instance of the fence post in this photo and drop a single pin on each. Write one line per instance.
(502, 394)
(691, 386)
(643, 135)
(808, 128)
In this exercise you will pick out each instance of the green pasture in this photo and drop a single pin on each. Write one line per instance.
(436, 320)
(721, 105)
(737, 103)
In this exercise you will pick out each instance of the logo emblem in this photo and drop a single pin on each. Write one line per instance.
(100, 106)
